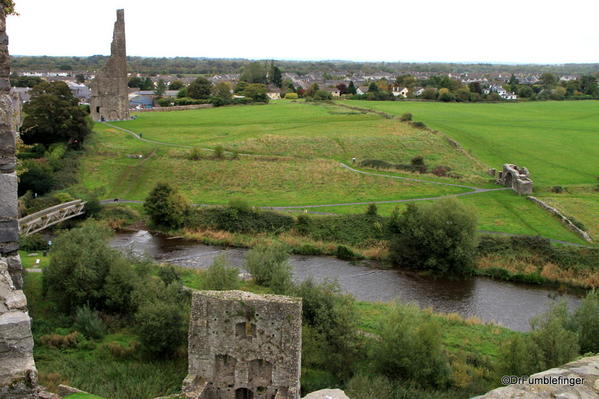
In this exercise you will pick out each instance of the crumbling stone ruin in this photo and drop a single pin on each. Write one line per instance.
(18, 375)
(110, 93)
(577, 380)
(244, 346)
(515, 177)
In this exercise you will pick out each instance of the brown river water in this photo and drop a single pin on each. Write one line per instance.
(508, 304)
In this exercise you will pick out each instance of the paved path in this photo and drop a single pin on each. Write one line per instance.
(474, 190)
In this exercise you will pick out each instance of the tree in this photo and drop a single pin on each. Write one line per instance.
(199, 88)
(276, 78)
(254, 72)
(160, 88)
(256, 91)
(410, 348)
(53, 115)
(342, 88)
(588, 85)
(312, 90)
(373, 87)
(80, 262)
(351, 88)
(221, 276)
(439, 237)
(513, 83)
(24, 81)
(586, 322)
(222, 90)
(80, 78)
(548, 79)
(269, 266)
(135, 82)
(475, 87)
(37, 178)
(525, 92)
(176, 85)
(165, 206)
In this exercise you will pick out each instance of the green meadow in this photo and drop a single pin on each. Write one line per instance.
(558, 141)
(289, 154)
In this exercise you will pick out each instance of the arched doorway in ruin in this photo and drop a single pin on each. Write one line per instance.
(244, 393)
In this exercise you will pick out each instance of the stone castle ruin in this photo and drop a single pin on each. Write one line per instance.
(109, 89)
(244, 346)
(18, 375)
(515, 177)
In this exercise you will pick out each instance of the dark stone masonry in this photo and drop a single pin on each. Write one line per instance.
(18, 375)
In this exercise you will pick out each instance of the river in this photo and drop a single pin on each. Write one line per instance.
(508, 304)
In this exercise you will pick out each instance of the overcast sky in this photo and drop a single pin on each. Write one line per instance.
(511, 31)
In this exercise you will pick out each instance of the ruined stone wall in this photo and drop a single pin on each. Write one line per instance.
(243, 345)
(18, 375)
(515, 177)
(110, 93)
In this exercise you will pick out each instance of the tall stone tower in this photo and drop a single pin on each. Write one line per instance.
(110, 93)
(18, 375)
(244, 346)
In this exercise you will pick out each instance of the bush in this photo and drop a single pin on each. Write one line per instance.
(359, 230)
(344, 253)
(329, 339)
(291, 96)
(161, 328)
(239, 219)
(166, 207)
(418, 125)
(441, 171)
(195, 154)
(269, 266)
(221, 276)
(410, 348)
(406, 117)
(219, 152)
(89, 323)
(418, 164)
(169, 275)
(34, 242)
(80, 262)
(161, 318)
(557, 189)
(371, 210)
(586, 322)
(61, 341)
(440, 237)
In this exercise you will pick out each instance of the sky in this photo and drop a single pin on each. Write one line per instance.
(490, 31)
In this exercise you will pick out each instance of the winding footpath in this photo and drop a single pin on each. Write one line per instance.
(474, 189)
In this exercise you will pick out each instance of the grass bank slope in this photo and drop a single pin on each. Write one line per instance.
(557, 140)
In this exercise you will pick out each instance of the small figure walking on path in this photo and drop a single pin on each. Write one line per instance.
(353, 160)
(140, 136)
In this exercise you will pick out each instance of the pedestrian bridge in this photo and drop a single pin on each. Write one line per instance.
(50, 216)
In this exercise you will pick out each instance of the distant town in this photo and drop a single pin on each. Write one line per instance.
(164, 82)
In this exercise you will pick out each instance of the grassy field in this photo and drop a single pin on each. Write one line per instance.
(297, 148)
(557, 140)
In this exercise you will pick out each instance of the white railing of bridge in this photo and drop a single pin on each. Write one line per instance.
(50, 216)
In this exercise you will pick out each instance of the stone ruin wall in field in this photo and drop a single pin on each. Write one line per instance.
(110, 91)
(18, 375)
(515, 177)
(243, 345)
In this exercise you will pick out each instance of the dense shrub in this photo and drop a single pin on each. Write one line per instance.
(372, 210)
(168, 275)
(118, 215)
(441, 170)
(419, 125)
(195, 154)
(291, 96)
(221, 276)
(440, 237)
(418, 164)
(356, 230)
(405, 117)
(34, 242)
(89, 323)
(61, 341)
(80, 262)
(585, 322)
(344, 253)
(269, 266)
(219, 152)
(161, 318)
(410, 348)
(166, 207)
(329, 339)
(239, 220)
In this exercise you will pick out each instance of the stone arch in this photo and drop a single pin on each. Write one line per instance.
(113, 115)
(244, 393)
